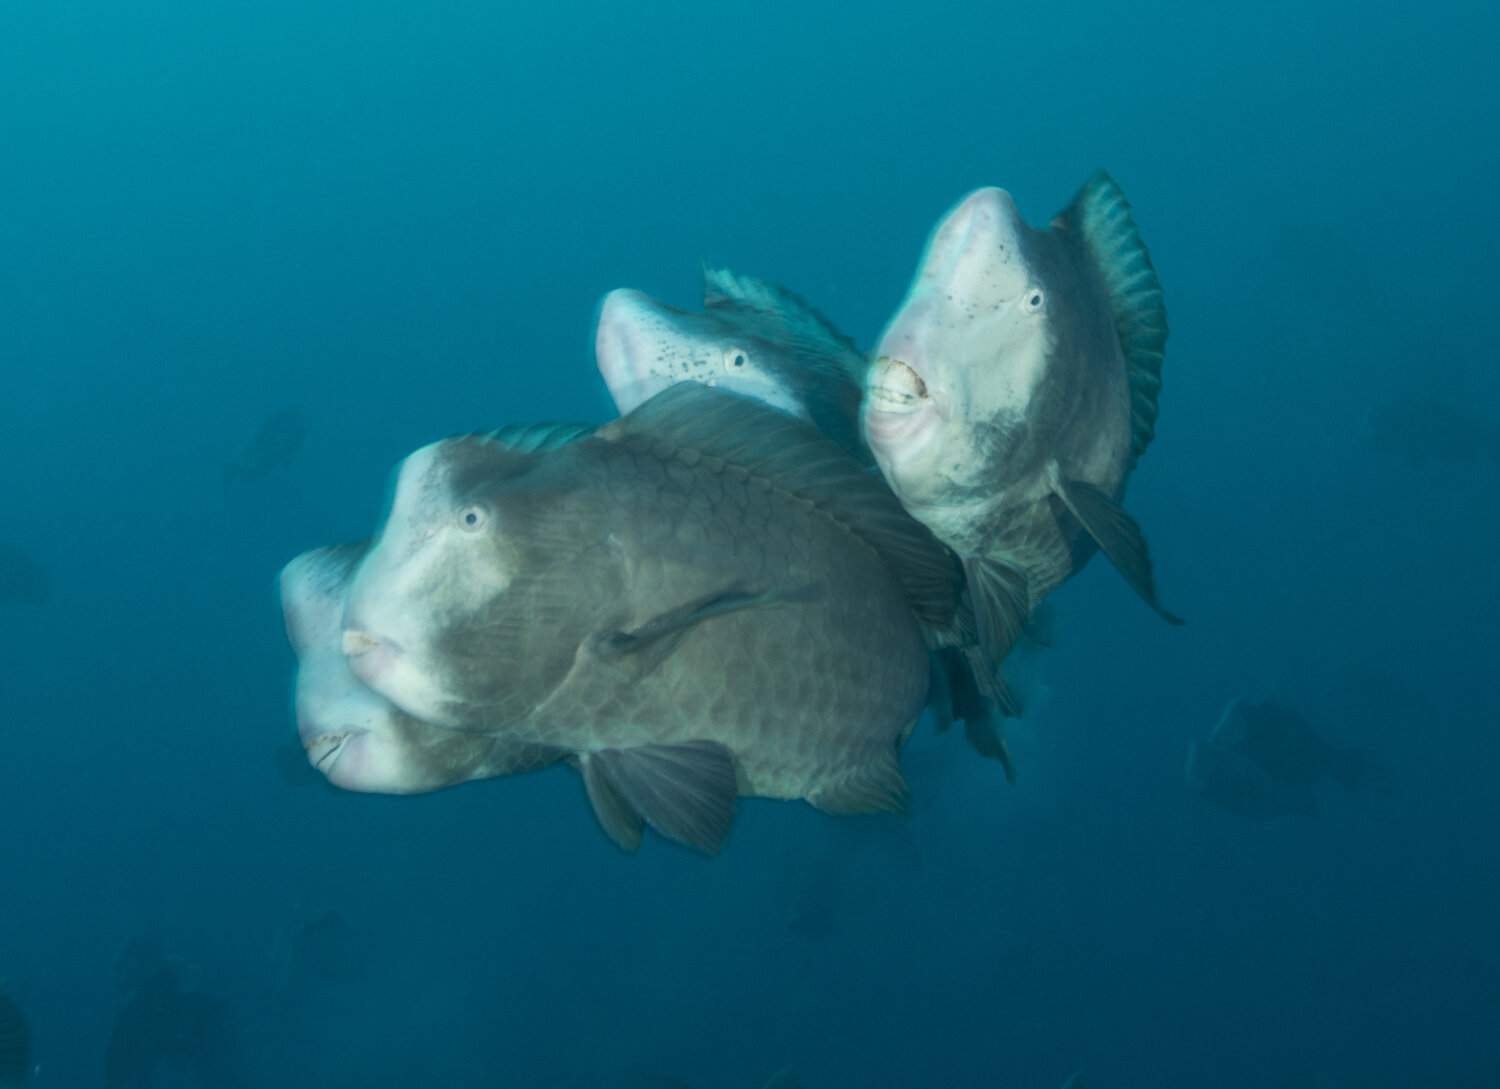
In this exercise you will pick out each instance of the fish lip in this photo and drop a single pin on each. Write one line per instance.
(326, 747)
(898, 387)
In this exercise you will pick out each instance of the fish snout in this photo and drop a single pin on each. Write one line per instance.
(624, 348)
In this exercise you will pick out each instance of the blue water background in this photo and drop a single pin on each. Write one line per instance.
(398, 217)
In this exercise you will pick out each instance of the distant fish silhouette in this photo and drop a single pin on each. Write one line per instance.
(1239, 785)
(159, 1020)
(1283, 745)
(1423, 429)
(21, 578)
(15, 1042)
(273, 445)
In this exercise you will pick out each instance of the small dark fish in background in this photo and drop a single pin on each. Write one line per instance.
(1423, 429)
(162, 1020)
(15, 1042)
(273, 445)
(1263, 759)
(22, 579)
(1284, 745)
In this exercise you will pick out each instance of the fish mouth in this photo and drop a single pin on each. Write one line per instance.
(895, 386)
(323, 750)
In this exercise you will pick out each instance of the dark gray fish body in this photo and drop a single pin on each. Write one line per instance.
(1013, 392)
(1422, 429)
(701, 599)
(752, 337)
(1283, 744)
(761, 341)
(22, 580)
(274, 444)
(1239, 785)
(357, 739)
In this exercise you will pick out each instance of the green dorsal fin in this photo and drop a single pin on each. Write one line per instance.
(692, 421)
(824, 370)
(1101, 216)
(802, 324)
(526, 438)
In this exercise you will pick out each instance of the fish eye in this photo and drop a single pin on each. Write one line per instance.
(736, 359)
(1033, 300)
(472, 519)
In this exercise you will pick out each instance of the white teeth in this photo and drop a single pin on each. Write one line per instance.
(322, 749)
(357, 642)
(895, 385)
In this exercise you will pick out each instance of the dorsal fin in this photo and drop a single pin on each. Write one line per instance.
(528, 438)
(792, 318)
(828, 371)
(1101, 216)
(690, 421)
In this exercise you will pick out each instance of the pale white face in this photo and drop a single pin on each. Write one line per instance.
(432, 567)
(356, 738)
(642, 346)
(960, 359)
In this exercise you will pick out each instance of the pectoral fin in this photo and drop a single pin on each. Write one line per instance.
(1117, 535)
(685, 791)
(637, 652)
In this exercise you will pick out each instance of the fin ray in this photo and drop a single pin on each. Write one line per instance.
(1101, 215)
(686, 791)
(1118, 537)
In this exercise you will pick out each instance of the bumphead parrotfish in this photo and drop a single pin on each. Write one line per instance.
(356, 738)
(702, 599)
(1012, 393)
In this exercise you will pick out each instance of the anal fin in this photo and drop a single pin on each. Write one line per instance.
(1117, 535)
(685, 791)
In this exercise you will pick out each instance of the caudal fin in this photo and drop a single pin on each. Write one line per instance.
(1347, 766)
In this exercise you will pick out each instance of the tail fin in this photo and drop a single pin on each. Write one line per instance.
(1347, 766)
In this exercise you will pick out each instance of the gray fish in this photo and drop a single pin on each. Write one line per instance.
(762, 341)
(1282, 743)
(1013, 392)
(1239, 785)
(359, 740)
(15, 1041)
(1422, 429)
(274, 444)
(702, 599)
(22, 580)
(752, 337)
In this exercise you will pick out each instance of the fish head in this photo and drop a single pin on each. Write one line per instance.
(956, 369)
(642, 346)
(426, 623)
(359, 740)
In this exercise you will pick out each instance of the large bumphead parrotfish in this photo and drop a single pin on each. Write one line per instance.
(702, 599)
(763, 341)
(1013, 392)
(356, 738)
